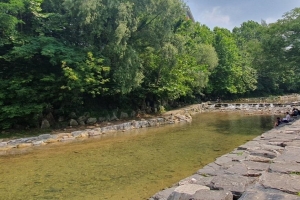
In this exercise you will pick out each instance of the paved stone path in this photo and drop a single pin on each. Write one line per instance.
(268, 167)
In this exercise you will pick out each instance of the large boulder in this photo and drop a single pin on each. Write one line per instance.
(73, 122)
(45, 124)
(91, 120)
(123, 115)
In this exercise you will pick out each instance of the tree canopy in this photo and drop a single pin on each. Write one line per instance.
(58, 55)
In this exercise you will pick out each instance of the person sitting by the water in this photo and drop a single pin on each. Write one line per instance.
(295, 112)
(278, 122)
(287, 118)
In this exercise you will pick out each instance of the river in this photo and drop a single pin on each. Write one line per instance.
(126, 165)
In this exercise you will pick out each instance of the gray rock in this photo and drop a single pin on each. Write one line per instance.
(286, 168)
(191, 179)
(91, 120)
(123, 115)
(223, 160)
(73, 122)
(127, 126)
(248, 145)
(289, 183)
(237, 168)
(95, 132)
(291, 154)
(210, 170)
(44, 136)
(258, 192)
(258, 166)
(113, 117)
(102, 119)
(186, 191)
(118, 127)
(76, 133)
(38, 143)
(72, 115)
(3, 144)
(164, 194)
(133, 113)
(235, 183)
(263, 153)
(81, 120)
(45, 124)
(212, 195)
(258, 159)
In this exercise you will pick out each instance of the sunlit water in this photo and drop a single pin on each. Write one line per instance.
(132, 165)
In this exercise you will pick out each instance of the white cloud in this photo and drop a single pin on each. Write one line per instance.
(216, 17)
(270, 20)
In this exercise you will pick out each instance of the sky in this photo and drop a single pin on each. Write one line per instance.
(232, 13)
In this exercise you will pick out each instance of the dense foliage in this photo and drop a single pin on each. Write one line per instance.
(61, 56)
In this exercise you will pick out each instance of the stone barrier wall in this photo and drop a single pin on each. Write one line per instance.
(45, 139)
(268, 167)
(170, 117)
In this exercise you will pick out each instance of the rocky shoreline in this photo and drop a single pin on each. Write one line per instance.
(268, 167)
(181, 115)
(110, 127)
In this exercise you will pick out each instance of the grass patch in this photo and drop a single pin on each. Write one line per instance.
(295, 173)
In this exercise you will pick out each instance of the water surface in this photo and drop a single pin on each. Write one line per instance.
(131, 165)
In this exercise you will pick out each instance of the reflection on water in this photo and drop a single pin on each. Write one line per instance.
(131, 165)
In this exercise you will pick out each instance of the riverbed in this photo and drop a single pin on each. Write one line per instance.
(126, 165)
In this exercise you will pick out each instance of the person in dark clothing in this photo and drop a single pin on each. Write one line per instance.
(278, 122)
(294, 112)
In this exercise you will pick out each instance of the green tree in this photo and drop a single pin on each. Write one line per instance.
(231, 76)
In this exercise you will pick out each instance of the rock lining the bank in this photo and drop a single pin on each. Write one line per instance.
(45, 139)
(268, 167)
(170, 117)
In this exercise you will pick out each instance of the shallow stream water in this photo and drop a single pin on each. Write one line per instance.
(127, 165)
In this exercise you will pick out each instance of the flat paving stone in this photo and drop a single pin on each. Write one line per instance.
(285, 168)
(291, 154)
(289, 183)
(235, 183)
(212, 195)
(260, 193)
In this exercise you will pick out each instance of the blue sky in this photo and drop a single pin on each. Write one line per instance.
(231, 13)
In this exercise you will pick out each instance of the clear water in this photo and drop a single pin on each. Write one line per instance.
(130, 165)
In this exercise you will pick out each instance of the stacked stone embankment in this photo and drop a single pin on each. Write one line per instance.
(44, 139)
(175, 116)
(268, 167)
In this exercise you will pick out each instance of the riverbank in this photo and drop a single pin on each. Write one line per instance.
(268, 167)
(181, 115)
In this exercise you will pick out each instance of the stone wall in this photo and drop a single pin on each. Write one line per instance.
(268, 167)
